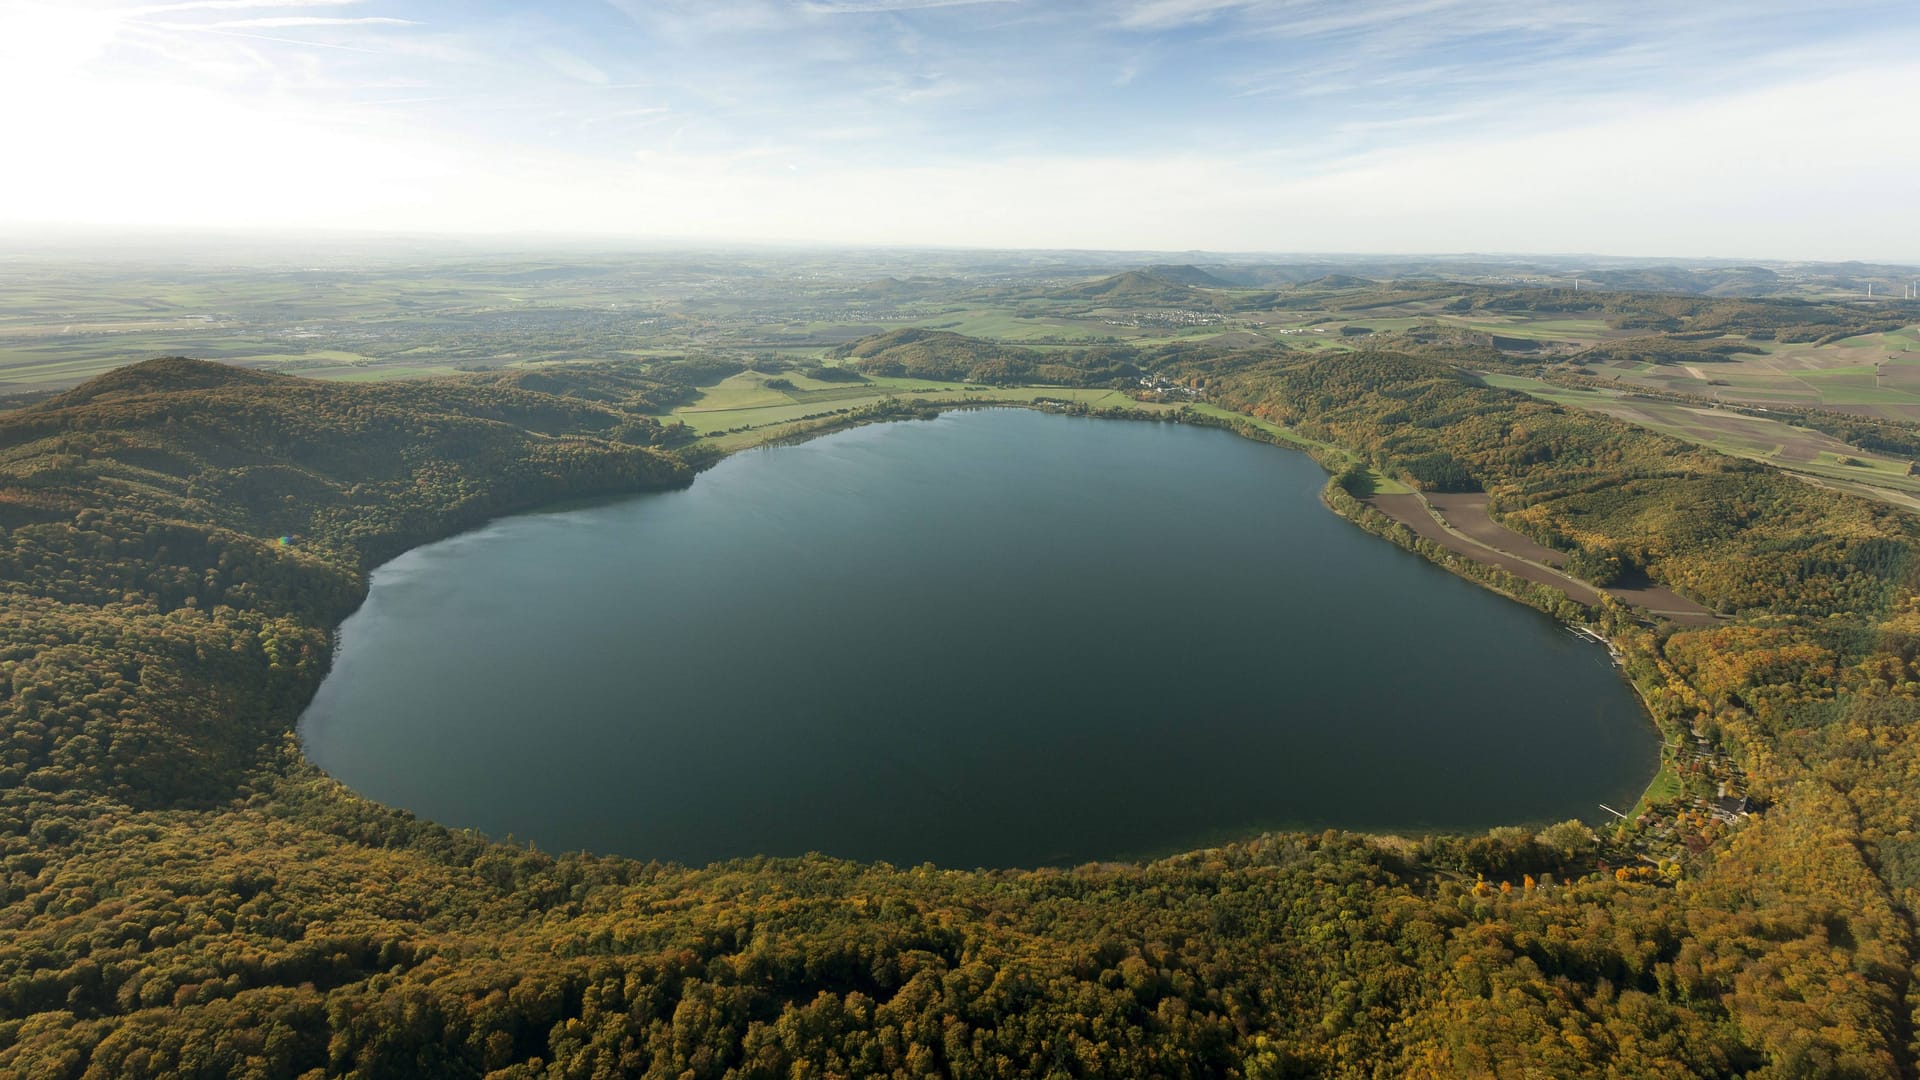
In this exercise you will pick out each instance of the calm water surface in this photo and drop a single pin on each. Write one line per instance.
(997, 638)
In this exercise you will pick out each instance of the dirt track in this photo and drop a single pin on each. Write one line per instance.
(1464, 527)
(1411, 511)
(1467, 512)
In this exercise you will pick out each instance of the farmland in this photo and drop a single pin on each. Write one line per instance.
(1809, 454)
(358, 316)
(343, 312)
(1874, 374)
(742, 410)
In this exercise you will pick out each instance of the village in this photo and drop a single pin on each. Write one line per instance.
(1176, 318)
(1160, 388)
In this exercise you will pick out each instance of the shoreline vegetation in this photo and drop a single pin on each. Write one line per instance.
(184, 894)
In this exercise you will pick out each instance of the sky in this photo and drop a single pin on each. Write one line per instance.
(1756, 129)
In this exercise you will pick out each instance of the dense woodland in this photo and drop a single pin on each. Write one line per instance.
(180, 895)
(944, 355)
(1770, 319)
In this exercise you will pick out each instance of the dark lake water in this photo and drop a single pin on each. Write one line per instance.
(995, 638)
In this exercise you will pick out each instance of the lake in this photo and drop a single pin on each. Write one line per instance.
(996, 638)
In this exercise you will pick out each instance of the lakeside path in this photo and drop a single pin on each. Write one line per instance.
(1460, 523)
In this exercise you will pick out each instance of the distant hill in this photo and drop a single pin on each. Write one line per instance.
(523, 390)
(1184, 274)
(916, 353)
(1338, 281)
(168, 374)
(1688, 277)
(622, 386)
(1717, 281)
(1136, 287)
(902, 287)
(273, 449)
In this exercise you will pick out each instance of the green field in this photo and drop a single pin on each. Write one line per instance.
(395, 316)
(743, 410)
(1018, 326)
(1870, 374)
(1808, 454)
(1575, 330)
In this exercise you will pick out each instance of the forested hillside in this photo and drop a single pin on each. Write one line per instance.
(1769, 320)
(941, 354)
(182, 895)
(1734, 534)
(180, 538)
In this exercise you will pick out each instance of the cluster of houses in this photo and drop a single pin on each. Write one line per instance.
(1165, 387)
(1179, 317)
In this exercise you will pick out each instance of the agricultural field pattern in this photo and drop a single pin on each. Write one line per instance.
(1575, 336)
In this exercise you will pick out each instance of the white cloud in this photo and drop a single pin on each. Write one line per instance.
(39, 40)
(1631, 184)
(283, 21)
(1158, 14)
(867, 7)
(232, 5)
(133, 121)
(1628, 185)
(572, 66)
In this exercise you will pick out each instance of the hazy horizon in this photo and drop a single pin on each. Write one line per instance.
(1759, 131)
(89, 239)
